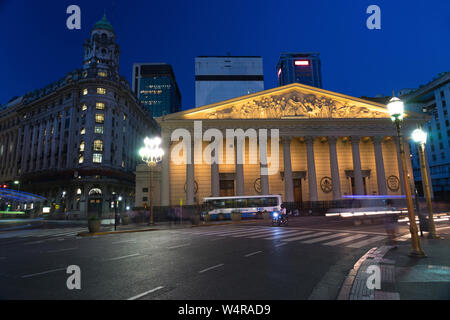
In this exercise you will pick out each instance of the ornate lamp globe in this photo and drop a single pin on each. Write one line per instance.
(419, 136)
(396, 108)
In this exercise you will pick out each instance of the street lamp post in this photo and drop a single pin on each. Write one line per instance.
(396, 108)
(420, 137)
(151, 154)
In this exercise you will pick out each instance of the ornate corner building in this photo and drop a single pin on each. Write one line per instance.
(74, 141)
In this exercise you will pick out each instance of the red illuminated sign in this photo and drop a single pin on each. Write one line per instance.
(301, 62)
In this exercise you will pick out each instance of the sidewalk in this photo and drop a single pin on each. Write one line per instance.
(427, 278)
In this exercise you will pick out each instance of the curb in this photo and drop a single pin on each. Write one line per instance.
(354, 286)
(88, 234)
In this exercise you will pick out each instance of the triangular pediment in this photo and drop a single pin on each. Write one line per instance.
(286, 102)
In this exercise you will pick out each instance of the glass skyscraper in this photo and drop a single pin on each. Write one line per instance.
(155, 86)
(299, 67)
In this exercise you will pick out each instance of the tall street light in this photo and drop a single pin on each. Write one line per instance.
(420, 137)
(396, 108)
(151, 154)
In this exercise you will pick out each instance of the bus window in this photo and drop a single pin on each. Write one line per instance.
(217, 204)
(254, 202)
(272, 202)
(229, 203)
(241, 203)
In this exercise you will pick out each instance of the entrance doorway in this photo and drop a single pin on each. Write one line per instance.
(95, 207)
(353, 185)
(226, 188)
(297, 190)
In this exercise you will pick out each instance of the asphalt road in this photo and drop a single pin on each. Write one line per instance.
(220, 262)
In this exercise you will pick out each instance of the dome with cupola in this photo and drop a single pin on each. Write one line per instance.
(104, 24)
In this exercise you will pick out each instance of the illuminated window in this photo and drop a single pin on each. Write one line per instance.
(78, 191)
(83, 131)
(82, 146)
(97, 158)
(84, 107)
(99, 129)
(80, 159)
(124, 116)
(98, 145)
(99, 118)
(102, 74)
(100, 106)
(85, 92)
(101, 91)
(123, 164)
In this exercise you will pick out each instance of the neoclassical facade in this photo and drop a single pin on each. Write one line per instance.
(328, 146)
(74, 142)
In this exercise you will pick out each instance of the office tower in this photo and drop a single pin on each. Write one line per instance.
(299, 67)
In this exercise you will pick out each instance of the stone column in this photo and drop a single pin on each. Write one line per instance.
(239, 168)
(190, 192)
(357, 173)
(334, 166)
(288, 182)
(399, 161)
(263, 168)
(215, 177)
(381, 175)
(165, 166)
(312, 181)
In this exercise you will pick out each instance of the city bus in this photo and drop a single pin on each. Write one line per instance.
(219, 208)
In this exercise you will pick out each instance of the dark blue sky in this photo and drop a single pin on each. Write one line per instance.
(411, 48)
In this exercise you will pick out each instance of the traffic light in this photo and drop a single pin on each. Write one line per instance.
(4, 186)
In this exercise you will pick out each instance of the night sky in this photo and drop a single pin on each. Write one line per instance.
(411, 48)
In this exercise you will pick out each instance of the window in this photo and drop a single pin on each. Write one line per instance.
(78, 191)
(85, 92)
(84, 107)
(98, 145)
(99, 129)
(144, 198)
(101, 91)
(102, 74)
(124, 116)
(82, 146)
(144, 189)
(83, 131)
(80, 159)
(100, 106)
(97, 158)
(99, 118)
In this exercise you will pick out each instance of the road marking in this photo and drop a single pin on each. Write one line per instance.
(288, 234)
(34, 242)
(259, 233)
(281, 244)
(124, 241)
(306, 236)
(60, 250)
(179, 246)
(268, 233)
(366, 242)
(346, 239)
(210, 268)
(252, 254)
(40, 273)
(315, 240)
(123, 257)
(145, 293)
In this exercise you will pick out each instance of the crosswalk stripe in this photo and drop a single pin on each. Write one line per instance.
(344, 240)
(226, 233)
(269, 233)
(288, 234)
(259, 234)
(320, 239)
(306, 236)
(363, 243)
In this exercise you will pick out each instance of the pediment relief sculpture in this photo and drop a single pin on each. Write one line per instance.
(292, 104)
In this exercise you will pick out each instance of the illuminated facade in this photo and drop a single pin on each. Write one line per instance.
(302, 68)
(328, 146)
(155, 86)
(74, 142)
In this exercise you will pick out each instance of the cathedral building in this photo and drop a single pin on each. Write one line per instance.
(304, 143)
(74, 142)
